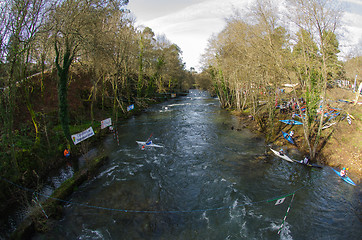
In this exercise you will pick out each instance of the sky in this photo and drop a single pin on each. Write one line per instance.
(191, 23)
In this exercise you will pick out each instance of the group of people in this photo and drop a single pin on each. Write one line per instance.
(291, 105)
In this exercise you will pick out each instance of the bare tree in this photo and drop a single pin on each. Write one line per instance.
(318, 21)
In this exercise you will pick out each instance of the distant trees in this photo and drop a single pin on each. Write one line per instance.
(125, 65)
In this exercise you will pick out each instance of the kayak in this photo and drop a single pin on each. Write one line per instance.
(345, 178)
(285, 157)
(308, 164)
(291, 122)
(328, 125)
(288, 137)
(148, 144)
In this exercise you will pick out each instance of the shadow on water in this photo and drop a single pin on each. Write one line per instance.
(207, 182)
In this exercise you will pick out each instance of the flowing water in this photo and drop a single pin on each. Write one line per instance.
(207, 182)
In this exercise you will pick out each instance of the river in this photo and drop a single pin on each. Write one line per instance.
(208, 181)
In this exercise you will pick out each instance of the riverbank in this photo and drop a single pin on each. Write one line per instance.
(39, 219)
(341, 144)
(36, 220)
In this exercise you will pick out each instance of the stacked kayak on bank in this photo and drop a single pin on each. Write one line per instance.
(288, 137)
(291, 122)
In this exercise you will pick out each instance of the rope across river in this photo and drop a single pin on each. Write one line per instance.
(154, 211)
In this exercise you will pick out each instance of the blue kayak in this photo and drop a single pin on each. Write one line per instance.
(345, 178)
(291, 122)
(288, 137)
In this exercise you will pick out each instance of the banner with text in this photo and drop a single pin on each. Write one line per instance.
(77, 138)
(130, 107)
(106, 122)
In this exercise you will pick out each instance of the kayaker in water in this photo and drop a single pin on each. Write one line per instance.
(291, 133)
(305, 160)
(343, 172)
(281, 152)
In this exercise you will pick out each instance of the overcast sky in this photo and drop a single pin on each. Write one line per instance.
(190, 23)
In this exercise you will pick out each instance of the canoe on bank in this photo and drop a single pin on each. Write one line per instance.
(291, 122)
(288, 137)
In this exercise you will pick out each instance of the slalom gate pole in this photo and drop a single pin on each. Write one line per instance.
(286, 214)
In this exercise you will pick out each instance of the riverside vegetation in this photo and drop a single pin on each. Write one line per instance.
(66, 65)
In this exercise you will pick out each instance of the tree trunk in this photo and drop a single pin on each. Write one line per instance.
(63, 72)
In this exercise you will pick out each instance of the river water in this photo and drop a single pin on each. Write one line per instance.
(207, 182)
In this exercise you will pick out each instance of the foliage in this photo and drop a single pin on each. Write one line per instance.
(257, 53)
(66, 65)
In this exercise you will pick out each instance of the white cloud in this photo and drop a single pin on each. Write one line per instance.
(190, 26)
(351, 36)
(354, 1)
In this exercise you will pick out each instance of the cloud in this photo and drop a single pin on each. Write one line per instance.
(354, 1)
(190, 26)
(351, 37)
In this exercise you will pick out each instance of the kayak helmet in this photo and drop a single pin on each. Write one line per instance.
(344, 168)
(281, 149)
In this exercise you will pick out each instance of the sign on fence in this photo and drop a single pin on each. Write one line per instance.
(106, 122)
(77, 138)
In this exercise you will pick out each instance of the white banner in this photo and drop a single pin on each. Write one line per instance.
(106, 122)
(77, 138)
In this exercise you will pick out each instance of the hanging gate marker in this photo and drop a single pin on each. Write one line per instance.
(286, 214)
(36, 200)
(280, 201)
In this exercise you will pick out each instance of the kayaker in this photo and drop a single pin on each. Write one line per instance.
(343, 172)
(306, 160)
(281, 152)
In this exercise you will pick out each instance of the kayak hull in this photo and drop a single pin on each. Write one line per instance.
(308, 164)
(148, 145)
(285, 157)
(346, 178)
(291, 122)
(287, 137)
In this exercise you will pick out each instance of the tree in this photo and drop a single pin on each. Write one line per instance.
(72, 22)
(320, 19)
